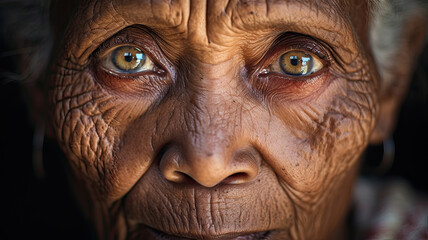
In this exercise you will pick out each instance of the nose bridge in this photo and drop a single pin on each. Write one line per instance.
(209, 137)
(211, 148)
(211, 114)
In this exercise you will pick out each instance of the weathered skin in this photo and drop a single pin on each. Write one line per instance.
(207, 146)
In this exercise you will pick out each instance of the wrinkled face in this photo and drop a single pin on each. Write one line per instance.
(215, 119)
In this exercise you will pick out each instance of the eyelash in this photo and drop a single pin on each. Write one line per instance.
(303, 43)
(292, 87)
(116, 41)
(152, 83)
(269, 85)
(143, 44)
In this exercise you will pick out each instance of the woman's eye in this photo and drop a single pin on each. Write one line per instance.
(296, 63)
(127, 59)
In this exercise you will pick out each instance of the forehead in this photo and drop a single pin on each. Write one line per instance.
(175, 11)
(215, 24)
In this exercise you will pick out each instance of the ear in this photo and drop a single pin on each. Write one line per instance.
(397, 41)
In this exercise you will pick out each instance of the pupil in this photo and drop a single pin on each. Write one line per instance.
(128, 57)
(294, 61)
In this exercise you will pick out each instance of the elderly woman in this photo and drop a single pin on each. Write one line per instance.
(220, 119)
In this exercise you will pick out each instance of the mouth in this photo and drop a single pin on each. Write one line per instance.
(158, 235)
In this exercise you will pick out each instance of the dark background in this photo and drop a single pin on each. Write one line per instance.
(44, 208)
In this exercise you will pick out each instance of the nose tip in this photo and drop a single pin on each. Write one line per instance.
(211, 169)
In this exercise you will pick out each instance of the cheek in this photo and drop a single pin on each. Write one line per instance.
(89, 122)
(322, 141)
(327, 131)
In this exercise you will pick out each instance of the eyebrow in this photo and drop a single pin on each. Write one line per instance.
(101, 21)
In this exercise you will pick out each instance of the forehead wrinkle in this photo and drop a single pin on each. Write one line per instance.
(96, 21)
(256, 14)
(154, 13)
(325, 20)
(206, 27)
(231, 21)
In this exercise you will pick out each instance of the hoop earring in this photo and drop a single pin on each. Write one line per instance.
(387, 159)
(38, 141)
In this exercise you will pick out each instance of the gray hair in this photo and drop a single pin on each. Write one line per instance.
(386, 30)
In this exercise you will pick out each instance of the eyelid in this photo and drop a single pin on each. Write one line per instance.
(142, 40)
(295, 42)
(270, 86)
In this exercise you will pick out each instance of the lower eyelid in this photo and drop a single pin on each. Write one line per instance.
(285, 88)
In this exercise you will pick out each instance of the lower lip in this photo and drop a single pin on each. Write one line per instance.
(253, 236)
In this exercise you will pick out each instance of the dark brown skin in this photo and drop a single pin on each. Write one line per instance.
(207, 145)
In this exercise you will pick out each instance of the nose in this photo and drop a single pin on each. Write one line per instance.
(213, 145)
(209, 169)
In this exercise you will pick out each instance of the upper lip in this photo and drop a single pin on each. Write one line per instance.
(230, 236)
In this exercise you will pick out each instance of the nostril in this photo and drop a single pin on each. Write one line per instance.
(180, 177)
(241, 167)
(174, 176)
(236, 178)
